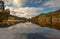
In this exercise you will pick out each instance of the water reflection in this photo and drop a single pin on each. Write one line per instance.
(28, 31)
(49, 26)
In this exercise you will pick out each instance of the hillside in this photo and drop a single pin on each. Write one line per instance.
(8, 20)
(51, 19)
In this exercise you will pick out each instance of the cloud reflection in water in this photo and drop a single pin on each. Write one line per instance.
(28, 31)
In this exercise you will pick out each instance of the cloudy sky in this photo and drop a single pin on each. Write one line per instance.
(30, 8)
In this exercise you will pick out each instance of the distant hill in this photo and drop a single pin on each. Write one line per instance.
(16, 18)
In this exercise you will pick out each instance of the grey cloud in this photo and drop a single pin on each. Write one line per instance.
(52, 3)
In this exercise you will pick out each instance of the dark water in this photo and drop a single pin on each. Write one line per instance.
(28, 31)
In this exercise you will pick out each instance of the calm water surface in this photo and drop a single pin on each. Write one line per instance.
(28, 31)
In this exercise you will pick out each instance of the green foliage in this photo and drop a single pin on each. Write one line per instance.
(4, 15)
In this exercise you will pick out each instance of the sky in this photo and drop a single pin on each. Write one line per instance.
(31, 8)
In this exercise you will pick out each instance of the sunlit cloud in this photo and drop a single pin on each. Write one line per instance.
(15, 3)
(18, 3)
(26, 12)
